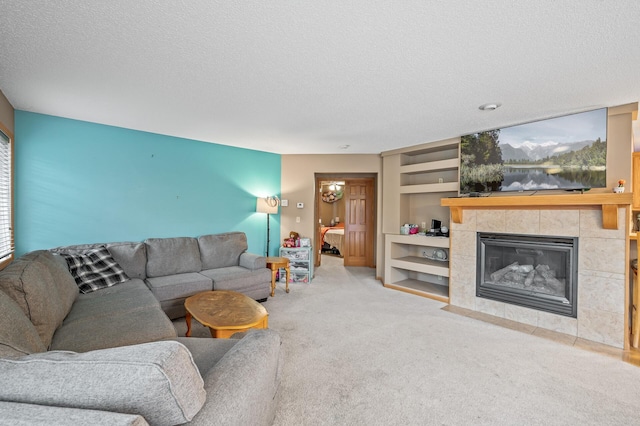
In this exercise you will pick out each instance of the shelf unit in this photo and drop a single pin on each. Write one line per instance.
(300, 264)
(408, 269)
(634, 298)
(415, 179)
(635, 180)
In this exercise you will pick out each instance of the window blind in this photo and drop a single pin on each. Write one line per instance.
(6, 226)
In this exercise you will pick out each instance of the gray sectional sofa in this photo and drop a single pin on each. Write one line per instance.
(176, 268)
(112, 356)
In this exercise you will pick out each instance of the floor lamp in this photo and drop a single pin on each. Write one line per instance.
(268, 205)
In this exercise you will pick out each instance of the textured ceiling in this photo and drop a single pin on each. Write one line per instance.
(298, 77)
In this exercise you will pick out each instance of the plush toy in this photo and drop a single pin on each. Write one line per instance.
(289, 242)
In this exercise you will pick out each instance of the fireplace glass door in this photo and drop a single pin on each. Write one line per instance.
(538, 272)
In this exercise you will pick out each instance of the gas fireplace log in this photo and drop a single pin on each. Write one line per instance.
(555, 284)
(529, 280)
(515, 277)
(495, 276)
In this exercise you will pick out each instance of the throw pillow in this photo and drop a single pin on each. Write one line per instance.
(94, 269)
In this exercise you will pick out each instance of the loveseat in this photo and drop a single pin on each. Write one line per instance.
(110, 355)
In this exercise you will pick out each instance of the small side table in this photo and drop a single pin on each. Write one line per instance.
(275, 263)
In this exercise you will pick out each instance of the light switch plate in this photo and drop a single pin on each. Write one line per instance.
(300, 205)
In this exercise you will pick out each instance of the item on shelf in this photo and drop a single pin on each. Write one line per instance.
(293, 240)
(439, 255)
(409, 229)
(437, 233)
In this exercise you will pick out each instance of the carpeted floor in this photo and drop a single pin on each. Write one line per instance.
(358, 353)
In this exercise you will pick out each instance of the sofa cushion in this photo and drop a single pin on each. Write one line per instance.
(122, 315)
(94, 269)
(179, 285)
(158, 381)
(238, 278)
(29, 281)
(113, 301)
(170, 256)
(18, 414)
(18, 337)
(220, 250)
(207, 352)
(132, 257)
(253, 284)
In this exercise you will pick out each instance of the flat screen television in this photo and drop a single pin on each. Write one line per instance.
(568, 152)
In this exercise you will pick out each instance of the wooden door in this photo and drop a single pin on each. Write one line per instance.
(635, 181)
(359, 219)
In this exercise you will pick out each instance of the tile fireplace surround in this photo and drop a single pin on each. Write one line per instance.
(602, 268)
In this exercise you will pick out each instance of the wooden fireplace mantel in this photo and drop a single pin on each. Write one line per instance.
(608, 202)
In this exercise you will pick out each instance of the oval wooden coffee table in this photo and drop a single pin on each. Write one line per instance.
(225, 312)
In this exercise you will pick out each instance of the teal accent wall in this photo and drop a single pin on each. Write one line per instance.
(78, 182)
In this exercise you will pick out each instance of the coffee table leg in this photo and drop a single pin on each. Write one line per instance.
(187, 319)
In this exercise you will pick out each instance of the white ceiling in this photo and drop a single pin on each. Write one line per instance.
(299, 77)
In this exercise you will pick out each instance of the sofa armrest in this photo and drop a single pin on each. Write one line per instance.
(252, 261)
(158, 381)
(242, 388)
(15, 413)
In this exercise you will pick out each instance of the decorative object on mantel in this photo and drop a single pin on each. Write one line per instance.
(620, 188)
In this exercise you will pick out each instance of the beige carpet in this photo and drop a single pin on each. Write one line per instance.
(358, 353)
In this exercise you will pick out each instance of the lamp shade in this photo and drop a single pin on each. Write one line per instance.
(267, 205)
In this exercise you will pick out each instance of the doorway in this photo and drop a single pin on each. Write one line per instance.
(345, 206)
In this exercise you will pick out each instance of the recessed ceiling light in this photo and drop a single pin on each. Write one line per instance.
(344, 146)
(489, 107)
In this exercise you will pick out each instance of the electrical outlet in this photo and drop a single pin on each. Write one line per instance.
(440, 180)
(439, 277)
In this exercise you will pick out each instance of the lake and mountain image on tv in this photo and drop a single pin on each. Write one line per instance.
(568, 152)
